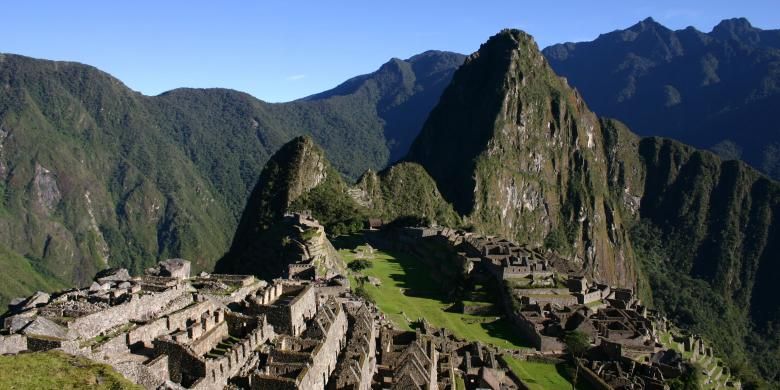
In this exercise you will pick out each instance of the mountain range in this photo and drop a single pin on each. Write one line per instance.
(715, 90)
(93, 174)
(517, 153)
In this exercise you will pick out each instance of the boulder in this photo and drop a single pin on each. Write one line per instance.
(43, 327)
(16, 323)
(40, 298)
(112, 275)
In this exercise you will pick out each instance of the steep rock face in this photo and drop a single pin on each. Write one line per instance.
(296, 177)
(295, 169)
(519, 154)
(712, 90)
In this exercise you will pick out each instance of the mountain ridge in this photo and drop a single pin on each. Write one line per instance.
(92, 172)
(712, 90)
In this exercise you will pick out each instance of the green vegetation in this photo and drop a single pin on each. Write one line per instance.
(577, 344)
(692, 379)
(169, 175)
(359, 265)
(20, 277)
(696, 306)
(538, 376)
(460, 384)
(56, 370)
(408, 293)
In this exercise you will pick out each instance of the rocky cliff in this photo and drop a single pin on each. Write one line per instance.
(519, 154)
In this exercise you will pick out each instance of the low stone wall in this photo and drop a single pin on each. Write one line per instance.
(150, 376)
(543, 291)
(12, 344)
(561, 300)
(36, 344)
(594, 380)
(148, 332)
(114, 346)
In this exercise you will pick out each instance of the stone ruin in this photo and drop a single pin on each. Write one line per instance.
(544, 304)
(169, 330)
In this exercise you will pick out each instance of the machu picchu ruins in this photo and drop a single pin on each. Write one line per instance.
(307, 329)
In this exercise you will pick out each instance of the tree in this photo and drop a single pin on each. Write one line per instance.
(577, 343)
(689, 380)
(359, 265)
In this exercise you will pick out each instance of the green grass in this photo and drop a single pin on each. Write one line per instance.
(538, 376)
(460, 384)
(408, 293)
(57, 370)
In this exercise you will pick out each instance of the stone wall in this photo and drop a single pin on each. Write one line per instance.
(146, 333)
(326, 355)
(184, 366)
(140, 307)
(218, 371)
(331, 326)
(36, 344)
(303, 307)
(151, 375)
(210, 339)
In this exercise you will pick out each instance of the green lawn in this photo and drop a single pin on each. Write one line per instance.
(57, 370)
(538, 376)
(409, 292)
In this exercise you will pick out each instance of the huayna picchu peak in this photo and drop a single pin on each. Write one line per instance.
(519, 154)
(512, 219)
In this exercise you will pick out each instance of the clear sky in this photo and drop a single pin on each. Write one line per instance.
(283, 50)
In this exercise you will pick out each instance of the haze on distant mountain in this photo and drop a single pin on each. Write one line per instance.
(718, 90)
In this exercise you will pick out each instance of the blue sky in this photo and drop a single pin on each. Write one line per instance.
(282, 50)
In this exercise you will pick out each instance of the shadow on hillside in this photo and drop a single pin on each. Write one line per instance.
(417, 280)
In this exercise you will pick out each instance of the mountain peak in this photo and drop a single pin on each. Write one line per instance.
(734, 24)
(647, 24)
(738, 29)
(504, 130)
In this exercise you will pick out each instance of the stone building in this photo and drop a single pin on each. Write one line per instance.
(306, 362)
(357, 362)
(407, 360)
